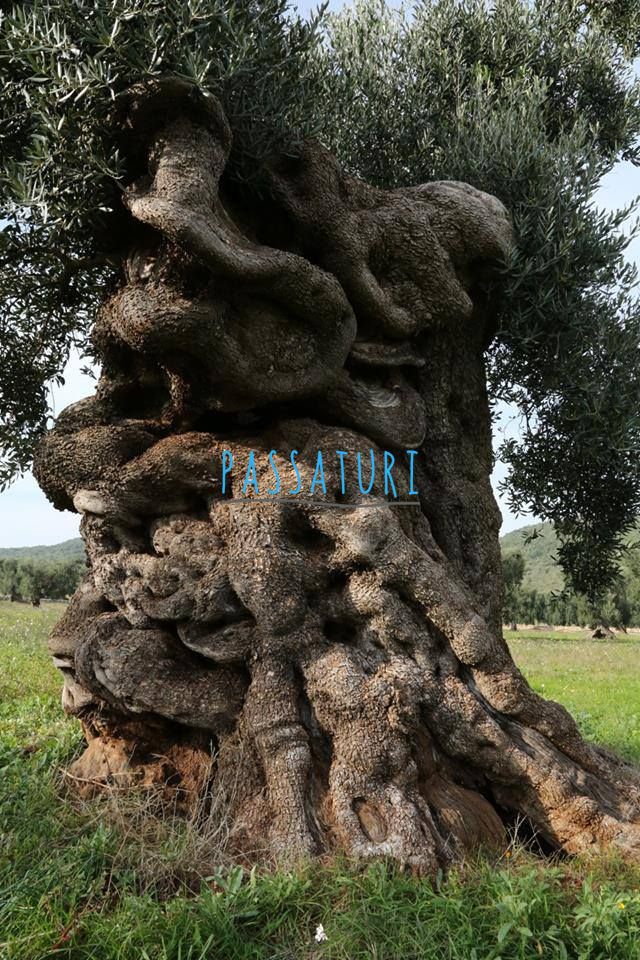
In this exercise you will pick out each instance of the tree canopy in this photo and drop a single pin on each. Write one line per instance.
(22, 579)
(532, 101)
(63, 65)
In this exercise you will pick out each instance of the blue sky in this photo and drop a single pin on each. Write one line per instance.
(26, 518)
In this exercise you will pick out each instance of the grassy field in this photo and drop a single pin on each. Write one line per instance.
(597, 680)
(73, 886)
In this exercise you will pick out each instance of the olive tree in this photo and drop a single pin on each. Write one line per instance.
(350, 240)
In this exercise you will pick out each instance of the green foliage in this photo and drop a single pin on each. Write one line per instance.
(62, 66)
(534, 102)
(538, 546)
(542, 596)
(512, 574)
(32, 581)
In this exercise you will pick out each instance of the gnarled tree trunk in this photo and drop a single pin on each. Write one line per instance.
(340, 657)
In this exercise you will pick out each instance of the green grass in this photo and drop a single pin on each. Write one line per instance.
(579, 633)
(70, 888)
(30, 713)
(569, 633)
(597, 680)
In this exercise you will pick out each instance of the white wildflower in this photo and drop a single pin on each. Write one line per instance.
(320, 936)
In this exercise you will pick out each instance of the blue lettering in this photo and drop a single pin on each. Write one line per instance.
(318, 475)
(298, 487)
(412, 454)
(273, 490)
(251, 477)
(227, 466)
(373, 471)
(389, 461)
(342, 455)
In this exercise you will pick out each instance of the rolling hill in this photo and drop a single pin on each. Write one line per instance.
(541, 572)
(50, 553)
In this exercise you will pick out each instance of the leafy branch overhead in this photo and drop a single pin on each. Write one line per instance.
(534, 102)
(62, 174)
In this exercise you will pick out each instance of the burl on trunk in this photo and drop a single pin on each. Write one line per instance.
(339, 670)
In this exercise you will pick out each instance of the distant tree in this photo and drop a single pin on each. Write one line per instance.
(63, 578)
(9, 579)
(557, 609)
(622, 606)
(31, 582)
(615, 609)
(513, 566)
(540, 608)
(632, 584)
(34, 580)
(608, 611)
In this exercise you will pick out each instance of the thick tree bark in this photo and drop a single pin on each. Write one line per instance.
(344, 666)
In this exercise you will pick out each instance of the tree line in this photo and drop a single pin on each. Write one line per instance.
(619, 607)
(31, 582)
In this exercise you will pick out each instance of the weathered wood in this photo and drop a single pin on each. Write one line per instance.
(345, 667)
